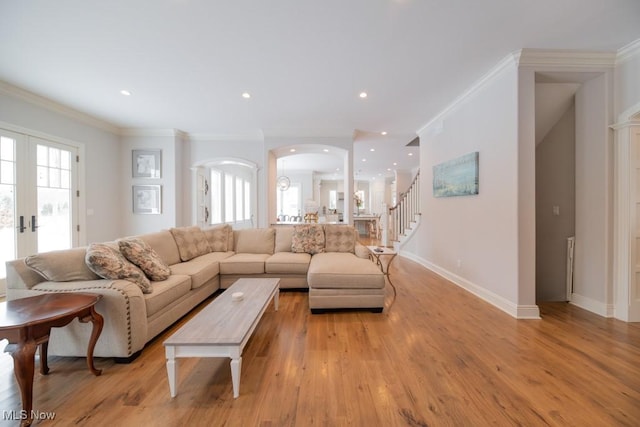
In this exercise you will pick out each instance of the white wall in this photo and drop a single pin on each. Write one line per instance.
(594, 199)
(103, 179)
(473, 240)
(170, 180)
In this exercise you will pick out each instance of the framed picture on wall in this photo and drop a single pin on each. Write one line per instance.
(147, 199)
(147, 163)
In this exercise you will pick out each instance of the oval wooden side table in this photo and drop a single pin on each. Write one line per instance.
(27, 323)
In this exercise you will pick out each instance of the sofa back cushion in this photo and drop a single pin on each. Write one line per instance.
(340, 238)
(191, 242)
(109, 263)
(308, 238)
(61, 266)
(218, 238)
(164, 244)
(284, 235)
(254, 240)
(138, 252)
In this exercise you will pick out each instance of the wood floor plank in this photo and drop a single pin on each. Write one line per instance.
(437, 356)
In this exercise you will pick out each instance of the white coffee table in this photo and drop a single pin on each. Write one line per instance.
(222, 328)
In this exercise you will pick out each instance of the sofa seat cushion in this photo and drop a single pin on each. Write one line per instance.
(201, 269)
(333, 270)
(287, 263)
(244, 264)
(166, 293)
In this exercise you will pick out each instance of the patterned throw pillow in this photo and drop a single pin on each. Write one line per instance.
(141, 254)
(308, 238)
(109, 263)
(218, 238)
(191, 242)
(340, 238)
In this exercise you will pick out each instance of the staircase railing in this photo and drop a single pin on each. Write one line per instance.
(404, 212)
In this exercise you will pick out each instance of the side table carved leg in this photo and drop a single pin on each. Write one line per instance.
(98, 322)
(44, 366)
(23, 367)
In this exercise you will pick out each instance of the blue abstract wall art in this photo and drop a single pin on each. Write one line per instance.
(457, 177)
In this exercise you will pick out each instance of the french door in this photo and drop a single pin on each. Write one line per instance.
(38, 197)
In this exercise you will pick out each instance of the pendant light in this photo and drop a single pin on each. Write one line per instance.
(283, 181)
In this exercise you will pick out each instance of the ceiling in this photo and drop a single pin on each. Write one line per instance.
(187, 63)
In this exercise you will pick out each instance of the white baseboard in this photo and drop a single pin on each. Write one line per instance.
(515, 310)
(597, 307)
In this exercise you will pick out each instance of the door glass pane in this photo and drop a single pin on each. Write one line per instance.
(247, 200)
(216, 200)
(7, 203)
(239, 200)
(228, 198)
(54, 201)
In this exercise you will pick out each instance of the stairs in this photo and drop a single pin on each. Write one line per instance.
(403, 219)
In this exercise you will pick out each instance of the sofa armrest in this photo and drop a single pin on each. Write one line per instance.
(19, 276)
(122, 306)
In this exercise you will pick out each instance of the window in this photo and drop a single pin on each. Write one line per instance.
(333, 198)
(289, 201)
(231, 194)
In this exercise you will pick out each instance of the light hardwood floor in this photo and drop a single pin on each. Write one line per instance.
(437, 356)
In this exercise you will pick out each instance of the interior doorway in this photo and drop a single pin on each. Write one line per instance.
(555, 187)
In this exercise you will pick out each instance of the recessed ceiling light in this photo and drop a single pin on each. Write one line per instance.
(246, 95)
(384, 132)
(326, 150)
(337, 169)
(363, 94)
(372, 149)
(395, 163)
(125, 92)
(411, 154)
(293, 150)
(364, 160)
(389, 169)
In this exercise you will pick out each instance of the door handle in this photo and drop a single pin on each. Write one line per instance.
(33, 223)
(21, 227)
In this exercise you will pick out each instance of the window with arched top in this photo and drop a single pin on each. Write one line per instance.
(227, 193)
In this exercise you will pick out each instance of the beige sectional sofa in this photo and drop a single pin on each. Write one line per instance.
(336, 271)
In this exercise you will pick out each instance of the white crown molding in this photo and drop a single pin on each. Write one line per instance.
(574, 59)
(566, 59)
(505, 64)
(56, 107)
(134, 132)
(628, 52)
(226, 137)
(308, 133)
